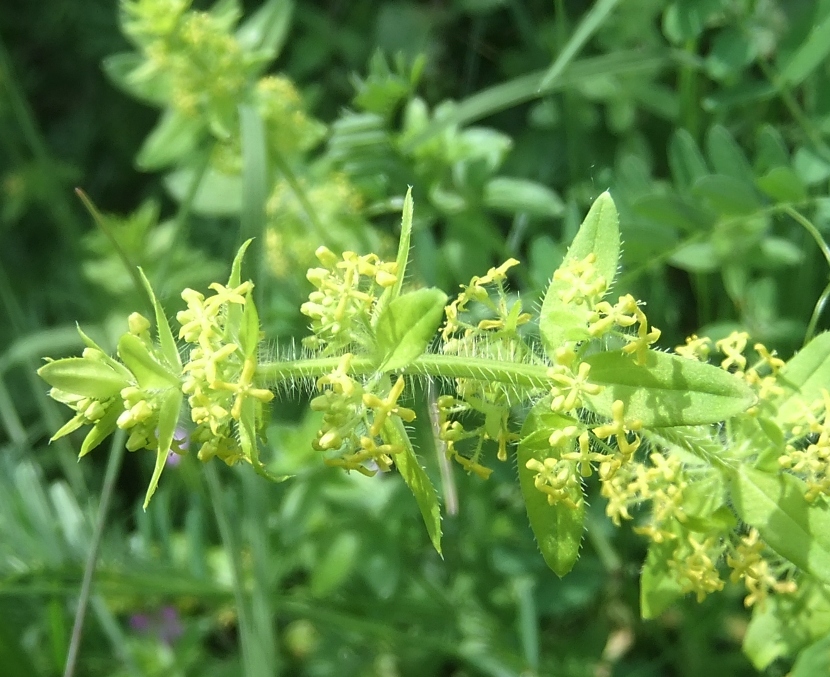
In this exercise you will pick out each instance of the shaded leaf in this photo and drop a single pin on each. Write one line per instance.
(668, 390)
(558, 528)
(407, 326)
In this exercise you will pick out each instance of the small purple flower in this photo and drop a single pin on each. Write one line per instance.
(181, 441)
(164, 624)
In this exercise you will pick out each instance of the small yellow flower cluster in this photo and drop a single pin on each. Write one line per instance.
(748, 563)
(347, 290)
(582, 283)
(218, 376)
(353, 420)
(495, 337)
(808, 452)
(695, 565)
(507, 319)
(662, 483)
(558, 479)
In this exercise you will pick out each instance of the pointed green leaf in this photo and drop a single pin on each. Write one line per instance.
(782, 184)
(557, 528)
(775, 505)
(407, 326)
(83, 376)
(810, 54)
(658, 587)
(168, 419)
(235, 310)
(102, 429)
(249, 333)
(668, 390)
(115, 364)
(265, 30)
(511, 196)
(148, 371)
(69, 427)
(685, 159)
(165, 336)
(416, 479)
(173, 138)
(726, 155)
(599, 234)
(727, 195)
(804, 376)
(404, 244)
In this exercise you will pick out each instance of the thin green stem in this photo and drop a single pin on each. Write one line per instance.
(817, 311)
(116, 455)
(529, 376)
(810, 228)
(226, 533)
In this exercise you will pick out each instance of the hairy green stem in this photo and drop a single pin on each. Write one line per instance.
(530, 376)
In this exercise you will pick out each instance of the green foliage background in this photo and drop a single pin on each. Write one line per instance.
(708, 120)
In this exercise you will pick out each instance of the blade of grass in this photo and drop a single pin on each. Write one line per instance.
(116, 455)
(527, 87)
(255, 179)
(247, 636)
(589, 25)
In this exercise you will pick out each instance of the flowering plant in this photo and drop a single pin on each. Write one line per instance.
(719, 465)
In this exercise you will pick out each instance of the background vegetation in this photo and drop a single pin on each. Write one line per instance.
(303, 123)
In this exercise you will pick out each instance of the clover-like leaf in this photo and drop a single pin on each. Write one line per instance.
(558, 528)
(407, 325)
(668, 390)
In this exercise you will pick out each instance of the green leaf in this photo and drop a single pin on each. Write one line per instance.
(407, 326)
(658, 587)
(266, 29)
(557, 528)
(814, 660)
(805, 376)
(249, 334)
(217, 194)
(515, 196)
(668, 390)
(169, 349)
(732, 50)
(235, 310)
(84, 376)
(416, 479)
(404, 243)
(673, 211)
(782, 184)
(148, 371)
(685, 159)
(335, 565)
(726, 155)
(130, 72)
(102, 429)
(591, 21)
(174, 137)
(775, 505)
(599, 234)
(696, 257)
(169, 410)
(727, 195)
(787, 623)
(809, 56)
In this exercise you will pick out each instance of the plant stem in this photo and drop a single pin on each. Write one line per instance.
(111, 473)
(534, 376)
